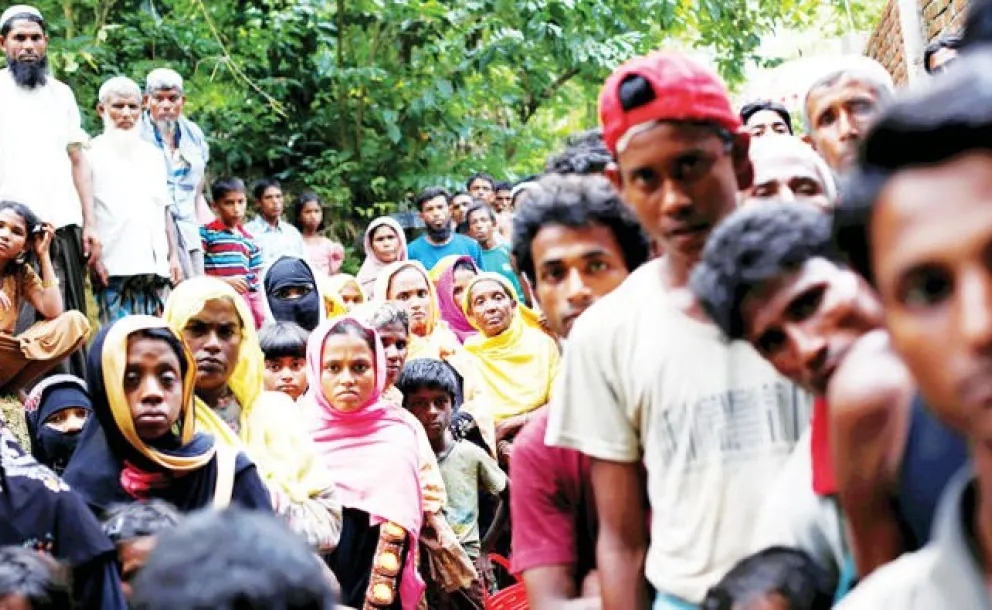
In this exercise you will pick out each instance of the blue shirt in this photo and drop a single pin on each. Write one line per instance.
(275, 242)
(186, 166)
(497, 260)
(428, 254)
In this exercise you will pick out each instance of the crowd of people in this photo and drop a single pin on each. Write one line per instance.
(699, 361)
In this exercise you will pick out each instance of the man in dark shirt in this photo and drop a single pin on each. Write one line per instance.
(575, 242)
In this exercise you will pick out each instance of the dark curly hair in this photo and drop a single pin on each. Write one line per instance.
(752, 246)
(584, 154)
(789, 572)
(576, 201)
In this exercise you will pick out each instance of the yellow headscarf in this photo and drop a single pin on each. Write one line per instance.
(438, 342)
(336, 283)
(114, 350)
(273, 437)
(441, 343)
(517, 366)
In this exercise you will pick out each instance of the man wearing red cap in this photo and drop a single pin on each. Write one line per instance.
(648, 379)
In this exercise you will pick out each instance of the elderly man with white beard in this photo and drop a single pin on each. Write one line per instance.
(139, 260)
(42, 164)
(184, 148)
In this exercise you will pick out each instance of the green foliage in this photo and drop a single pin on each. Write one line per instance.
(367, 101)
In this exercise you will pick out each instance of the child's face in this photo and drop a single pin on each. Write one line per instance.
(350, 295)
(231, 208)
(287, 375)
(271, 203)
(394, 341)
(347, 372)
(153, 386)
(311, 215)
(433, 408)
(133, 555)
(13, 234)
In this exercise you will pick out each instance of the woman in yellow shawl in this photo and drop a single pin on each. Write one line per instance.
(408, 284)
(232, 406)
(517, 361)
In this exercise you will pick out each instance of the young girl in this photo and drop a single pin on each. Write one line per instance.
(143, 443)
(371, 450)
(347, 289)
(385, 244)
(325, 255)
(29, 355)
(284, 345)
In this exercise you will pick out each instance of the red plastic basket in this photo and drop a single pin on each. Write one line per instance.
(513, 597)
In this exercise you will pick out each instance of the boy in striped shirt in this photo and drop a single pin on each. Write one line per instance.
(229, 252)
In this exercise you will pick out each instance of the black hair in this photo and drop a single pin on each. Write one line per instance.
(752, 246)
(752, 108)
(283, 340)
(480, 176)
(31, 223)
(791, 573)
(427, 373)
(23, 17)
(301, 202)
(236, 559)
(460, 194)
(224, 186)
(502, 186)
(259, 188)
(123, 522)
(353, 328)
(41, 580)
(585, 153)
(166, 335)
(576, 201)
(927, 127)
(430, 193)
(477, 205)
(977, 24)
(950, 41)
(464, 263)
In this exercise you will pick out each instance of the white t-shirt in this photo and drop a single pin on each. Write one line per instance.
(711, 420)
(793, 515)
(130, 197)
(36, 128)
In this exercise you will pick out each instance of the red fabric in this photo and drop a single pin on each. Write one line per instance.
(684, 91)
(139, 483)
(824, 481)
(552, 510)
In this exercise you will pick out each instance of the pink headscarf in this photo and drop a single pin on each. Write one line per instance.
(443, 275)
(371, 266)
(371, 453)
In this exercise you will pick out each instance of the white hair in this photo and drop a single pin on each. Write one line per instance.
(774, 147)
(118, 86)
(161, 79)
(857, 68)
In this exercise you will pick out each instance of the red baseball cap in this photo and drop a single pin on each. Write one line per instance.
(683, 91)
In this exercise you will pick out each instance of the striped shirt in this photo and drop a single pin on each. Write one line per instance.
(231, 253)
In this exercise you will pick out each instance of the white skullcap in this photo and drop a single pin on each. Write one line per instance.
(163, 78)
(19, 9)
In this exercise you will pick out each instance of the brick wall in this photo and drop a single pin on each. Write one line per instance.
(885, 44)
(942, 16)
(886, 41)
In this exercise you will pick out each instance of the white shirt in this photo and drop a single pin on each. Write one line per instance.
(275, 242)
(36, 128)
(712, 422)
(130, 196)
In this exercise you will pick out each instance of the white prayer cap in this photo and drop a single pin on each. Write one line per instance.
(163, 78)
(118, 86)
(17, 10)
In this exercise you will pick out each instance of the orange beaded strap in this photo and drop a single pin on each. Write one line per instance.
(386, 567)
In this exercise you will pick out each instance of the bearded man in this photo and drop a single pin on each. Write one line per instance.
(41, 159)
(185, 151)
(132, 275)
